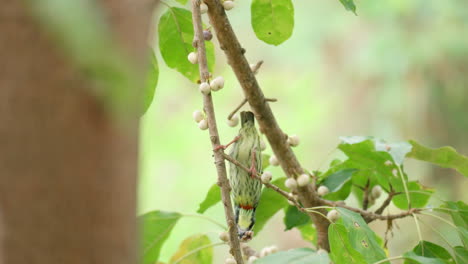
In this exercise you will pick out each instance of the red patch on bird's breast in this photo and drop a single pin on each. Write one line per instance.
(246, 207)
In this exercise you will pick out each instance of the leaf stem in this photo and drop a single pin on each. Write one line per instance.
(400, 172)
(440, 218)
(198, 249)
(206, 218)
(419, 231)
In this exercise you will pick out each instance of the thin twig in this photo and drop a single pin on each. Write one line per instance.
(268, 185)
(265, 118)
(223, 181)
(237, 109)
(365, 201)
(370, 216)
(386, 202)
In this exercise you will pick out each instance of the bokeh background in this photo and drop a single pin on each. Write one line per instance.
(397, 71)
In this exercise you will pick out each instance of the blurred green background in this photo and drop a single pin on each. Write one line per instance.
(398, 71)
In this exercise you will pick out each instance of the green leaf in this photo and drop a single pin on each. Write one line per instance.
(340, 246)
(270, 203)
(361, 237)
(175, 42)
(398, 150)
(349, 5)
(445, 157)
(431, 250)
(195, 244)
(156, 227)
(213, 196)
(183, 2)
(461, 254)
(339, 184)
(308, 233)
(265, 161)
(413, 258)
(151, 82)
(459, 212)
(293, 218)
(296, 256)
(362, 155)
(419, 195)
(272, 20)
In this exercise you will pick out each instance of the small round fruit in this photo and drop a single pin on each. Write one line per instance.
(262, 145)
(273, 161)
(204, 88)
(203, 125)
(203, 8)
(252, 66)
(388, 163)
(233, 121)
(228, 5)
(376, 191)
(303, 180)
(291, 183)
(224, 236)
(207, 35)
(293, 140)
(273, 249)
(230, 261)
(217, 83)
(193, 57)
(266, 177)
(252, 259)
(333, 215)
(265, 252)
(322, 251)
(322, 190)
(198, 116)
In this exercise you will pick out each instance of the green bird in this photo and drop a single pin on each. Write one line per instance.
(246, 189)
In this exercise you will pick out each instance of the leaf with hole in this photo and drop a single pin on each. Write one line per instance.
(361, 237)
(156, 227)
(341, 250)
(272, 20)
(296, 256)
(193, 250)
(175, 42)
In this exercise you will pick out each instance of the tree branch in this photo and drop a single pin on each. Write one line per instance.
(267, 122)
(223, 181)
(268, 185)
(371, 216)
(386, 202)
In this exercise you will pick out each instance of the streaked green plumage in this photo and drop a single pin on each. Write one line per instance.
(246, 190)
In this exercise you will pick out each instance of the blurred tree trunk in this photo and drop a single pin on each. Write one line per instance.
(67, 170)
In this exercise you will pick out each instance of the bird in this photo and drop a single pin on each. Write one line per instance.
(245, 188)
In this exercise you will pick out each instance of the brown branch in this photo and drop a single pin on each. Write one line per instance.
(371, 216)
(267, 122)
(386, 202)
(223, 181)
(365, 201)
(268, 185)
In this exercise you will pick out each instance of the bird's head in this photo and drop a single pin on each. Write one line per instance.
(247, 119)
